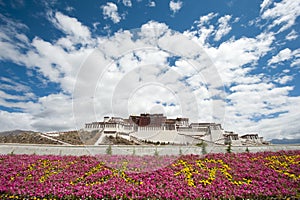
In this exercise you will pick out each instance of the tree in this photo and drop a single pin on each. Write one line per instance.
(247, 150)
(203, 146)
(109, 150)
(229, 150)
(156, 152)
(180, 151)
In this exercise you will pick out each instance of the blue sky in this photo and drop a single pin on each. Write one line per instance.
(64, 63)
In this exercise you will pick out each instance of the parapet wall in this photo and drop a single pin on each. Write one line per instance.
(130, 150)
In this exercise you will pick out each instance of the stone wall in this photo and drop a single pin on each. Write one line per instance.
(132, 149)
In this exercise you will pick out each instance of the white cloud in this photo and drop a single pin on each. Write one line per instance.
(69, 9)
(296, 63)
(204, 29)
(50, 113)
(283, 14)
(224, 27)
(6, 96)
(71, 26)
(127, 3)
(292, 35)
(252, 105)
(110, 10)
(283, 55)
(9, 84)
(206, 18)
(57, 61)
(265, 4)
(153, 30)
(15, 120)
(255, 103)
(175, 6)
(55, 113)
(96, 24)
(151, 4)
(12, 24)
(284, 79)
(230, 57)
(12, 39)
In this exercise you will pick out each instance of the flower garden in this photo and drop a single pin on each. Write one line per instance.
(265, 175)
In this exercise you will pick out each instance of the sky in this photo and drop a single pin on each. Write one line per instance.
(66, 63)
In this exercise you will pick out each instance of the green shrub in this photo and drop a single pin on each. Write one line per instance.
(156, 152)
(229, 150)
(180, 151)
(203, 146)
(247, 150)
(109, 150)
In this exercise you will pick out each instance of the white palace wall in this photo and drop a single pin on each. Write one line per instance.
(139, 150)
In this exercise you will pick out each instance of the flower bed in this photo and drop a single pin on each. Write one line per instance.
(228, 176)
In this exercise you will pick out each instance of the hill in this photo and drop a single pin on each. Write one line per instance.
(14, 132)
(285, 141)
(25, 138)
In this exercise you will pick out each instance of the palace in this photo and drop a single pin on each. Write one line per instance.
(157, 128)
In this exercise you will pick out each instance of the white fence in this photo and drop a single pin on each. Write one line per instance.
(130, 150)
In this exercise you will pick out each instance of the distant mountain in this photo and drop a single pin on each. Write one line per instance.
(285, 141)
(14, 132)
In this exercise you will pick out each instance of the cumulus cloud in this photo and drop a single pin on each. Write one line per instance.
(110, 10)
(278, 13)
(48, 113)
(10, 84)
(24, 97)
(69, 9)
(175, 6)
(224, 27)
(71, 26)
(127, 3)
(206, 18)
(231, 56)
(55, 113)
(12, 39)
(292, 35)
(15, 120)
(254, 102)
(284, 79)
(296, 63)
(203, 29)
(265, 4)
(151, 4)
(284, 55)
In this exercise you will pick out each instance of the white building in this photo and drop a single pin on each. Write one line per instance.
(156, 128)
(251, 139)
(232, 138)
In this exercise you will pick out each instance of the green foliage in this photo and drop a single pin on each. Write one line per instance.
(203, 149)
(229, 150)
(156, 152)
(247, 150)
(203, 146)
(109, 150)
(180, 151)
